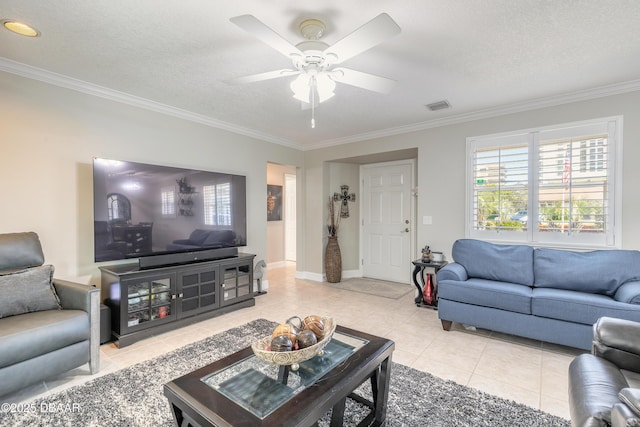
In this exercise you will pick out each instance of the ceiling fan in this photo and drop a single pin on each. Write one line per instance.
(313, 60)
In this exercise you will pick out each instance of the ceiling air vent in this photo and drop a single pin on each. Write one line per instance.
(440, 105)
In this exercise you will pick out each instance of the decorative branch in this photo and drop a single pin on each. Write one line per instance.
(334, 219)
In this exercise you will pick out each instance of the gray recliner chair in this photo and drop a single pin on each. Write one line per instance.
(47, 326)
(604, 386)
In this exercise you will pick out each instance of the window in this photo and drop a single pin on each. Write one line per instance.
(217, 204)
(118, 208)
(168, 201)
(553, 186)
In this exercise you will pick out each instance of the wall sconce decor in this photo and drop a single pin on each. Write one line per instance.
(345, 198)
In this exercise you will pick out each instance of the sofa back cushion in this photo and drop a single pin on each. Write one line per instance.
(597, 272)
(20, 250)
(27, 291)
(503, 263)
(219, 238)
(198, 236)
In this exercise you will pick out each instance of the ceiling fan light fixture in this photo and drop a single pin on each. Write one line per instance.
(305, 83)
(325, 86)
(301, 88)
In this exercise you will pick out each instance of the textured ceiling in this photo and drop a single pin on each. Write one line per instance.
(481, 56)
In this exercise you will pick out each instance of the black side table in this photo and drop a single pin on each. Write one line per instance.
(420, 265)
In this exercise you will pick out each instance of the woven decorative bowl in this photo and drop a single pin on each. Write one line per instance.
(293, 358)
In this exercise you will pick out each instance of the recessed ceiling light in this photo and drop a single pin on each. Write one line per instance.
(20, 28)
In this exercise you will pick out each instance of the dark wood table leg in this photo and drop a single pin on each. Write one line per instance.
(337, 413)
(418, 270)
(382, 395)
(283, 374)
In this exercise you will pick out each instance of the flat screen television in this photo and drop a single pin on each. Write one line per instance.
(166, 215)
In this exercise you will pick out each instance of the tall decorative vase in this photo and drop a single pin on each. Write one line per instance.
(333, 261)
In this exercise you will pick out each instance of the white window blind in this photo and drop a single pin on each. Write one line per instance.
(217, 204)
(552, 186)
(168, 201)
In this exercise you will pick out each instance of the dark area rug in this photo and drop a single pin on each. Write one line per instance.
(134, 397)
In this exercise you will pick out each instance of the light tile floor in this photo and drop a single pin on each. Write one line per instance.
(527, 371)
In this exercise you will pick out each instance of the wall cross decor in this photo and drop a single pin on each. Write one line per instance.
(345, 197)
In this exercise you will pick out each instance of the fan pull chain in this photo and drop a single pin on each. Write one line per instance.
(313, 102)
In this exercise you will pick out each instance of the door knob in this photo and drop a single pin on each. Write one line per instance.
(406, 230)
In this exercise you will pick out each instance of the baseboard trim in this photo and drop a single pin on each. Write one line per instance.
(318, 277)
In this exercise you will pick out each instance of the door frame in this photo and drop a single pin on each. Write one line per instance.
(412, 209)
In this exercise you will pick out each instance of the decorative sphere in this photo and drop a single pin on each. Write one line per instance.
(306, 339)
(286, 330)
(315, 325)
(281, 343)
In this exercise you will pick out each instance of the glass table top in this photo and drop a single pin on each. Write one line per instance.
(253, 383)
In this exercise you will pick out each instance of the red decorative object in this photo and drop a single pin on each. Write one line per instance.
(427, 292)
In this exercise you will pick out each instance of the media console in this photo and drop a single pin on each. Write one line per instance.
(148, 301)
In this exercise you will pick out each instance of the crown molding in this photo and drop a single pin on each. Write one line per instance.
(66, 82)
(60, 80)
(533, 104)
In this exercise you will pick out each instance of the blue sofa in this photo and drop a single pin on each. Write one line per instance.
(544, 294)
(204, 239)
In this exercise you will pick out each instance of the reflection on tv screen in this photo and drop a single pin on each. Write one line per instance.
(142, 210)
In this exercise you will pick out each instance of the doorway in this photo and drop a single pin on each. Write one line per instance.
(290, 216)
(387, 213)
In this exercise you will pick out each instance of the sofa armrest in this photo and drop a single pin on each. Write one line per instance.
(452, 271)
(628, 292)
(76, 296)
(618, 341)
(623, 416)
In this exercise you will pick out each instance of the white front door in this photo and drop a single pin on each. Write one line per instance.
(387, 220)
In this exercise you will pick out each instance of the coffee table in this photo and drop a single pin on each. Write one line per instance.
(243, 390)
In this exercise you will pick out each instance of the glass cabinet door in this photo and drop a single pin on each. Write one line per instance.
(237, 284)
(149, 301)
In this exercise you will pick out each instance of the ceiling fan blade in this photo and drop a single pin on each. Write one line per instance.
(263, 76)
(374, 32)
(259, 30)
(363, 80)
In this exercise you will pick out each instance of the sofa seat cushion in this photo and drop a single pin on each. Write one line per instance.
(597, 272)
(488, 293)
(25, 336)
(182, 247)
(579, 307)
(505, 263)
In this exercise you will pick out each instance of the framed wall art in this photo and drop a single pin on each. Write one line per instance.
(274, 202)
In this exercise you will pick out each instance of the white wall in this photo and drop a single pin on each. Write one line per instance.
(441, 170)
(49, 136)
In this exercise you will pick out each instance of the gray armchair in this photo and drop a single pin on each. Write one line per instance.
(604, 386)
(47, 326)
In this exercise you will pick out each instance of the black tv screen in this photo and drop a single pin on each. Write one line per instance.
(143, 210)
